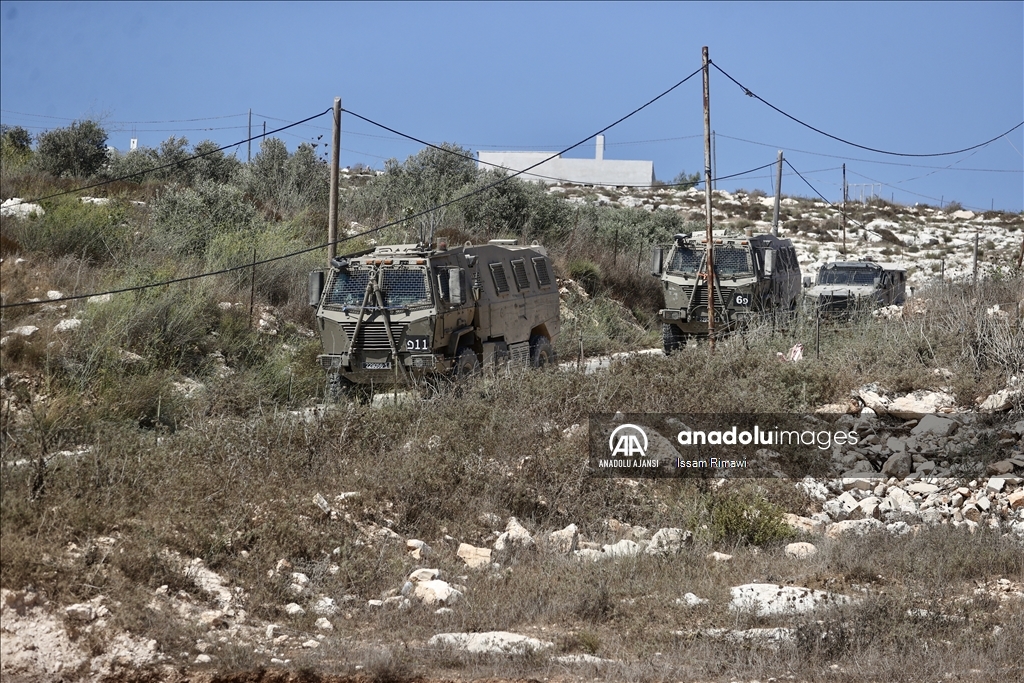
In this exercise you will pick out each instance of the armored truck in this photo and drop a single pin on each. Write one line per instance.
(402, 313)
(754, 275)
(842, 287)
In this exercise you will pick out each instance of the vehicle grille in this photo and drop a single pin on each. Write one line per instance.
(373, 336)
(702, 294)
(833, 303)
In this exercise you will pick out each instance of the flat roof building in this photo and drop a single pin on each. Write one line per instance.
(596, 171)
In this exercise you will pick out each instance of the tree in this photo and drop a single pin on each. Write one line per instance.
(80, 150)
(15, 146)
(684, 181)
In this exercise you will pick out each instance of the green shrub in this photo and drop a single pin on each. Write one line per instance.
(79, 151)
(746, 516)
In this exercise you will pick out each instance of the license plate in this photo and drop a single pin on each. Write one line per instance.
(382, 365)
(702, 319)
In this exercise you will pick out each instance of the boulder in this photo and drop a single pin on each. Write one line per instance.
(898, 465)
(856, 527)
(916, 405)
(719, 557)
(801, 550)
(624, 548)
(490, 642)
(769, 599)
(804, 525)
(564, 540)
(515, 538)
(691, 600)
(436, 592)
(1016, 499)
(475, 558)
(418, 549)
(935, 425)
(668, 540)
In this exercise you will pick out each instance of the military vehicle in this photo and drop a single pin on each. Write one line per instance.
(842, 287)
(754, 276)
(399, 314)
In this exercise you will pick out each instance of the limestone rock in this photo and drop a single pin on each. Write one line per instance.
(769, 599)
(668, 541)
(719, 557)
(801, 550)
(858, 527)
(490, 642)
(475, 558)
(564, 540)
(804, 524)
(436, 592)
(418, 549)
(916, 405)
(935, 425)
(898, 465)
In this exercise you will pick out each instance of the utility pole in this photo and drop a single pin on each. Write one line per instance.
(778, 196)
(710, 251)
(844, 208)
(975, 277)
(332, 220)
(248, 157)
(714, 162)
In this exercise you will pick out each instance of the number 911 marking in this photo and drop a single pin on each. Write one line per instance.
(741, 299)
(418, 343)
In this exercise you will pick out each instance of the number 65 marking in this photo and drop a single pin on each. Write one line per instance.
(742, 299)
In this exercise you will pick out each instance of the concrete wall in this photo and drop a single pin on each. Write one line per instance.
(597, 171)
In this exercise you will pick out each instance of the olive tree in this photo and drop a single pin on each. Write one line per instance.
(80, 150)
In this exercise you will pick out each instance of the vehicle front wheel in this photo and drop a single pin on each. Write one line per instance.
(672, 338)
(541, 353)
(466, 363)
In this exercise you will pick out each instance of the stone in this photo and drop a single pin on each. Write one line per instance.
(922, 487)
(971, 513)
(423, 575)
(691, 600)
(917, 405)
(870, 507)
(325, 606)
(514, 538)
(589, 554)
(857, 527)
(769, 599)
(898, 465)
(935, 425)
(418, 549)
(311, 644)
(901, 501)
(1016, 499)
(324, 624)
(995, 485)
(564, 540)
(801, 550)
(859, 483)
(719, 557)
(1000, 467)
(80, 612)
(489, 642)
(896, 444)
(983, 503)
(624, 548)
(668, 541)
(436, 592)
(294, 610)
(1000, 401)
(932, 516)
(20, 208)
(25, 330)
(475, 558)
(69, 325)
(804, 524)
(873, 401)
(203, 659)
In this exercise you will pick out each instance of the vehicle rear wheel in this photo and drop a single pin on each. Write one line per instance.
(466, 363)
(541, 353)
(672, 338)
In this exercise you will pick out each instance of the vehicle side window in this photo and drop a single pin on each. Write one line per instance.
(500, 280)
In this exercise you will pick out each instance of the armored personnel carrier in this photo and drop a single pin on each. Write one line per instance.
(754, 275)
(842, 287)
(398, 314)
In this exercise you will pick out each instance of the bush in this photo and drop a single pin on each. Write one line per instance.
(80, 150)
(745, 516)
(15, 147)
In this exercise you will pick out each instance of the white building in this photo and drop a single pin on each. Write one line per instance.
(596, 171)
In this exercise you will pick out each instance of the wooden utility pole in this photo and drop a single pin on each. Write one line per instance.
(248, 157)
(332, 220)
(844, 208)
(710, 259)
(714, 161)
(778, 196)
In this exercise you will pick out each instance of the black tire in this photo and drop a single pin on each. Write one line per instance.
(466, 363)
(541, 352)
(672, 338)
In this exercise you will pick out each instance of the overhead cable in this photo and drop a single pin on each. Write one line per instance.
(748, 93)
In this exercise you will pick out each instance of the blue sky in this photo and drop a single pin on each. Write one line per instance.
(906, 77)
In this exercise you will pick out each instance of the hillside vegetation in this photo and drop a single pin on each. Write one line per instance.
(166, 451)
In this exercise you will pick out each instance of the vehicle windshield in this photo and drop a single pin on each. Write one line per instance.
(846, 276)
(731, 261)
(403, 288)
(686, 260)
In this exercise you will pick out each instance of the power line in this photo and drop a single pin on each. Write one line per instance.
(169, 165)
(872, 161)
(64, 118)
(748, 93)
(307, 250)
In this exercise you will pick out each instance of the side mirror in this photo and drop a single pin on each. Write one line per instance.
(657, 258)
(455, 286)
(316, 287)
(769, 261)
